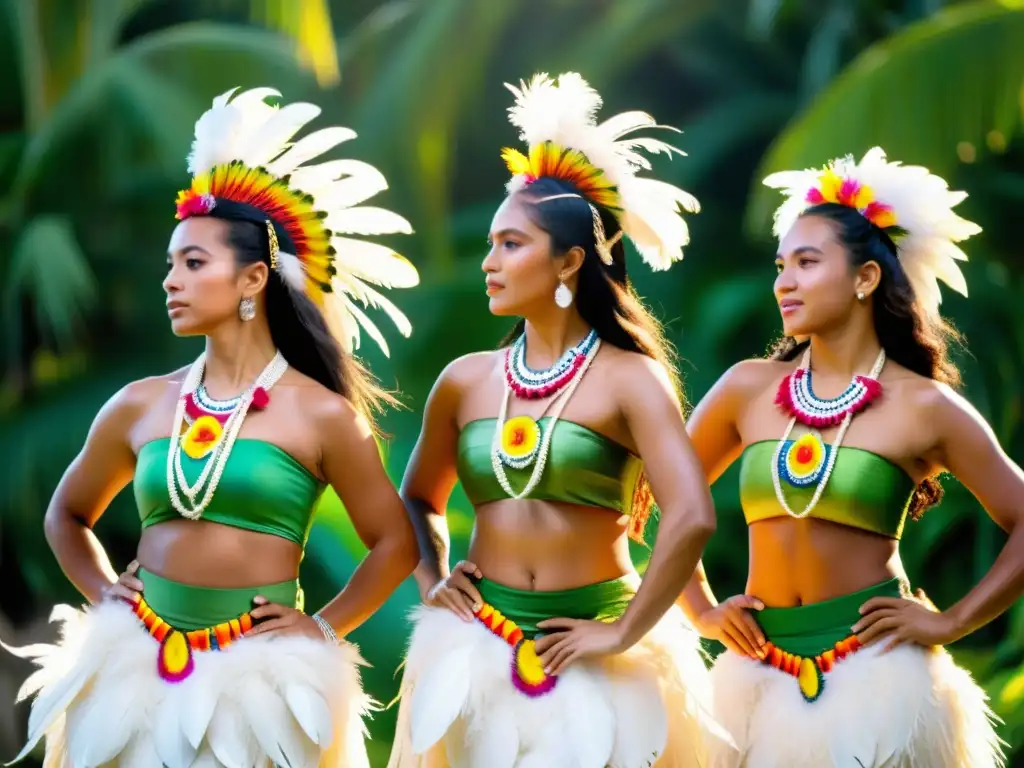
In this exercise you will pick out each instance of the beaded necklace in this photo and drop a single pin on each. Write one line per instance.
(529, 384)
(809, 460)
(208, 436)
(521, 441)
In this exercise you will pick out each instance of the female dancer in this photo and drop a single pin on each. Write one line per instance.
(213, 662)
(585, 405)
(831, 660)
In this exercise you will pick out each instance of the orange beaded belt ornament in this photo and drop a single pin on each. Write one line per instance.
(810, 671)
(174, 660)
(528, 674)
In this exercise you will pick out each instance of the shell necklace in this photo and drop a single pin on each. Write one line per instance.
(529, 384)
(809, 460)
(207, 436)
(531, 432)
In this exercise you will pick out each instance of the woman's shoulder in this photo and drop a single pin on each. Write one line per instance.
(142, 393)
(755, 373)
(470, 370)
(132, 401)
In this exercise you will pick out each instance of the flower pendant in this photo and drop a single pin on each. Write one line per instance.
(202, 437)
(520, 442)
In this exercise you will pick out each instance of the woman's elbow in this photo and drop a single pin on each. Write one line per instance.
(694, 524)
(55, 524)
(403, 550)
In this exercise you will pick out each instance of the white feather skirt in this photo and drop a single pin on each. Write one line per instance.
(459, 707)
(99, 700)
(909, 708)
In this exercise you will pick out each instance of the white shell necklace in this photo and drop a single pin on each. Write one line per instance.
(833, 453)
(183, 494)
(542, 457)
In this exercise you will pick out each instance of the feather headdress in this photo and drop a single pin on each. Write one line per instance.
(557, 120)
(242, 156)
(912, 205)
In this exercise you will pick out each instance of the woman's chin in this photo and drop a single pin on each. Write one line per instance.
(184, 329)
(500, 308)
(793, 327)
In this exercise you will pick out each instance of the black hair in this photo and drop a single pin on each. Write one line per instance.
(909, 335)
(604, 297)
(297, 326)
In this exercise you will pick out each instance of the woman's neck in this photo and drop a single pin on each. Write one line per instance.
(844, 353)
(548, 338)
(236, 355)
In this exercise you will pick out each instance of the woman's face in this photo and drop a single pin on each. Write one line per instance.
(816, 289)
(521, 274)
(204, 284)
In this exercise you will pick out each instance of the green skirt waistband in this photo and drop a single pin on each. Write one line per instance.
(808, 630)
(185, 606)
(604, 601)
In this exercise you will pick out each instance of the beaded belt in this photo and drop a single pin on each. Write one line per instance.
(174, 660)
(528, 674)
(810, 671)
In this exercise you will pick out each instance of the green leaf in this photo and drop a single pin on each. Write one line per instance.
(761, 16)
(49, 268)
(951, 80)
(614, 40)
(308, 23)
(202, 45)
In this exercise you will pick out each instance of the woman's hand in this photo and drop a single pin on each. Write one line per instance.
(127, 587)
(281, 620)
(457, 592)
(904, 619)
(731, 623)
(578, 639)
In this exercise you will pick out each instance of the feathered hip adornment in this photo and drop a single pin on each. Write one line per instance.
(556, 119)
(243, 153)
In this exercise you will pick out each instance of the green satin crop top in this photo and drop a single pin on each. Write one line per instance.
(865, 490)
(262, 489)
(583, 467)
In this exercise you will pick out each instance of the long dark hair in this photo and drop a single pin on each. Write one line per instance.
(910, 336)
(297, 326)
(604, 297)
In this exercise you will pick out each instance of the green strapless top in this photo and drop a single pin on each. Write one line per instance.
(262, 489)
(583, 467)
(865, 491)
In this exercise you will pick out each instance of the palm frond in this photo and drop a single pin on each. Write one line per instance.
(951, 82)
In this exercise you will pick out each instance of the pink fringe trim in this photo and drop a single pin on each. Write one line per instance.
(784, 399)
(529, 689)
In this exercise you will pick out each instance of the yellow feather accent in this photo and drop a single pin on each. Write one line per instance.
(515, 161)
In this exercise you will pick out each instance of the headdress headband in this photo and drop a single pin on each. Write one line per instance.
(912, 205)
(557, 121)
(242, 158)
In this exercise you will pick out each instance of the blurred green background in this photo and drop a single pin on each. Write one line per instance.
(96, 117)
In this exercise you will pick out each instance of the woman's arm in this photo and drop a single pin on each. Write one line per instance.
(966, 447)
(429, 478)
(717, 442)
(654, 418)
(352, 464)
(104, 466)
(678, 482)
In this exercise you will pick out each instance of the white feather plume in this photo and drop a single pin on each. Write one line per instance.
(242, 127)
(923, 207)
(563, 111)
(99, 700)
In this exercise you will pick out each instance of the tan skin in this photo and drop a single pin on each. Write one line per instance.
(318, 428)
(919, 424)
(540, 545)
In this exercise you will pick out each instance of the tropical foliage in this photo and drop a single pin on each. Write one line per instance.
(94, 130)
